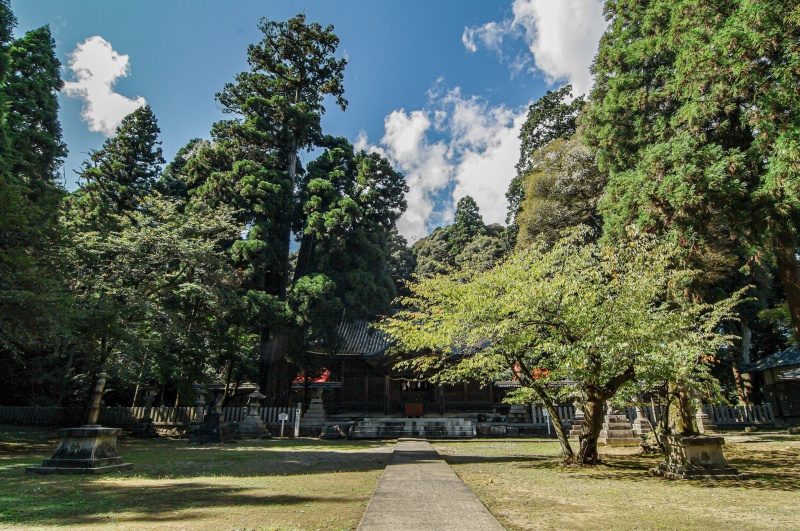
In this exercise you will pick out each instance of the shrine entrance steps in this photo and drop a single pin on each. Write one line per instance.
(419, 491)
(428, 428)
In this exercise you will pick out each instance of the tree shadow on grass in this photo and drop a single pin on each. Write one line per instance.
(767, 471)
(177, 458)
(532, 461)
(158, 503)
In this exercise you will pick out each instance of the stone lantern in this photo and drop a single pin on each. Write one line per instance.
(252, 427)
(199, 407)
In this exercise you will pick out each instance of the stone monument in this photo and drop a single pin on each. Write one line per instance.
(145, 427)
(695, 457)
(616, 429)
(89, 449)
(252, 427)
(214, 428)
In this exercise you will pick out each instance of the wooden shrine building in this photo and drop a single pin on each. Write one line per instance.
(360, 381)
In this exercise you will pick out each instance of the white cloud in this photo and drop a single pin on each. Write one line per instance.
(562, 37)
(490, 35)
(476, 157)
(96, 68)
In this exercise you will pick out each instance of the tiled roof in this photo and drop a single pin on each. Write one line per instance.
(358, 337)
(779, 359)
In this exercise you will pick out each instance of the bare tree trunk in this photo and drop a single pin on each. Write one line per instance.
(276, 374)
(558, 425)
(594, 409)
(743, 380)
(684, 424)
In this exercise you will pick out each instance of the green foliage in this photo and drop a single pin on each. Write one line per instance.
(693, 118)
(548, 119)
(595, 317)
(351, 202)
(467, 225)
(561, 191)
(34, 309)
(466, 244)
(123, 171)
(36, 150)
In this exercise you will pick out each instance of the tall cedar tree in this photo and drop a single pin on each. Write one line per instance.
(694, 118)
(277, 107)
(123, 171)
(31, 311)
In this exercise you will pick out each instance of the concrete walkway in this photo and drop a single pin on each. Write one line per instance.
(418, 491)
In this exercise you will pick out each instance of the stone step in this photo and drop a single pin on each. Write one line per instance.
(433, 428)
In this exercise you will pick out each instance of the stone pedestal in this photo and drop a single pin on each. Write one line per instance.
(252, 427)
(315, 415)
(214, 428)
(145, 427)
(616, 430)
(518, 414)
(84, 450)
(90, 449)
(704, 422)
(695, 457)
(641, 425)
(577, 423)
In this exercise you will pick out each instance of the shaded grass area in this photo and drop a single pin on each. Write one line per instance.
(526, 486)
(272, 484)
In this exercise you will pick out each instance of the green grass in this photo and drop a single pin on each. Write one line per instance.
(525, 486)
(274, 484)
(311, 484)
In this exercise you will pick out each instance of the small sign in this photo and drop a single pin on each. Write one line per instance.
(283, 417)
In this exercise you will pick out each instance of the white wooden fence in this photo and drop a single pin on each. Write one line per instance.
(723, 416)
(719, 415)
(126, 417)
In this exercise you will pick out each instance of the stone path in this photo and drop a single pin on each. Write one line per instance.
(418, 491)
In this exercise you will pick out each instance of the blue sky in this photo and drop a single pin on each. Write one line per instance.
(440, 87)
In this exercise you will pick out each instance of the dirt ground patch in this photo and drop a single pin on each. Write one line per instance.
(253, 485)
(526, 487)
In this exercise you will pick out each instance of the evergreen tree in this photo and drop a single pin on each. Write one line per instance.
(37, 150)
(123, 171)
(33, 305)
(468, 223)
(548, 119)
(277, 106)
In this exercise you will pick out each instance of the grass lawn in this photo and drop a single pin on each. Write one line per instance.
(526, 487)
(261, 485)
(312, 484)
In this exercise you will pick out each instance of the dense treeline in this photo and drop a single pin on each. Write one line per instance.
(640, 217)
(184, 273)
